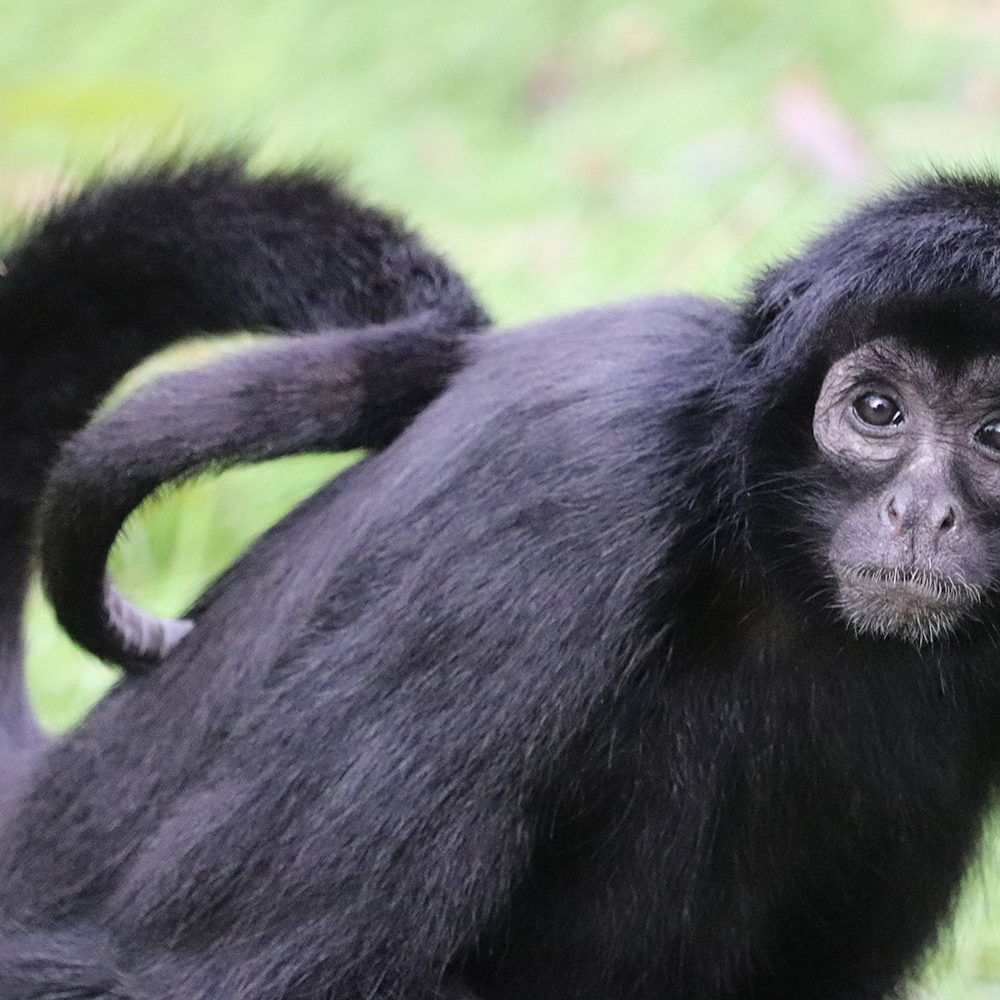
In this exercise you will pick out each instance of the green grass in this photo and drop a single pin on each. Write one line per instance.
(564, 152)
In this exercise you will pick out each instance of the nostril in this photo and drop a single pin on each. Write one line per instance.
(948, 521)
(892, 511)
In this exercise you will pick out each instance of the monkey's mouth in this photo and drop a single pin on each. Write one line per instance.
(921, 586)
(916, 605)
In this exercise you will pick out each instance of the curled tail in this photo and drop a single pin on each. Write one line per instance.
(129, 266)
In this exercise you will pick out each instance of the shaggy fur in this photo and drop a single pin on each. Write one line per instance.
(549, 698)
(130, 266)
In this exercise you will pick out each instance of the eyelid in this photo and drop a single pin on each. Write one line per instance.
(849, 392)
(861, 382)
(873, 382)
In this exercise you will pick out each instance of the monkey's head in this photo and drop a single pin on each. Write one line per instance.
(913, 546)
(886, 332)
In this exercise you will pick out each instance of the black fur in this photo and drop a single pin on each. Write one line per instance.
(546, 699)
(132, 266)
(127, 267)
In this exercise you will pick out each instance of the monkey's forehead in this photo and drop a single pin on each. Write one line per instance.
(933, 241)
(935, 236)
(956, 333)
(978, 374)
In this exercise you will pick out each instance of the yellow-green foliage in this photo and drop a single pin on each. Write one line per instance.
(562, 151)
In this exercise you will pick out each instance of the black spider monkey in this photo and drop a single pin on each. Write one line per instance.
(653, 655)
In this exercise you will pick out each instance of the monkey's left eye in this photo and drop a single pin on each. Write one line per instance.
(989, 435)
(878, 410)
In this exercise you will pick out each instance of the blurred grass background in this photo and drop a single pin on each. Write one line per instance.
(563, 152)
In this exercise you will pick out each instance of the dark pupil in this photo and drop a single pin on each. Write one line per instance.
(989, 435)
(882, 411)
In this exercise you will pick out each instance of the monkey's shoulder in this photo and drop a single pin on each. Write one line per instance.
(571, 414)
(639, 356)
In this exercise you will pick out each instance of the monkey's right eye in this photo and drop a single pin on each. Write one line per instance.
(877, 410)
(989, 435)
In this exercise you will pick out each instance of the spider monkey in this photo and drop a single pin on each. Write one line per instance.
(651, 653)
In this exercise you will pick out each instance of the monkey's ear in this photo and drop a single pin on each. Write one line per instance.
(771, 295)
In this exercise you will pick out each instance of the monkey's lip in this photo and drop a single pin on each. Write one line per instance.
(910, 586)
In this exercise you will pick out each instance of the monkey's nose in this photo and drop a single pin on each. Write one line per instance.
(946, 521)
(906, 511)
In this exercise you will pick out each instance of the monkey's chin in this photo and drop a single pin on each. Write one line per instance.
(914, 605)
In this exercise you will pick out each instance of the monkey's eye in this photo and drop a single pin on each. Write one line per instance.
(877, 410)
(989, 435)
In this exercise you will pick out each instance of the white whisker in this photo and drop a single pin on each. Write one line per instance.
(914, 604)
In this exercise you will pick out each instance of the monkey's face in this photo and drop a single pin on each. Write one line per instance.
(915, 543)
